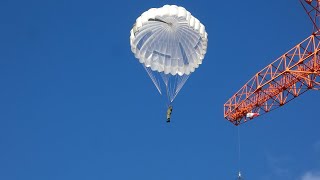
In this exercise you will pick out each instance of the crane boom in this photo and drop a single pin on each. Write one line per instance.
(289, 76)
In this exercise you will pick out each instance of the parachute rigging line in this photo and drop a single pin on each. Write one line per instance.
(153, 78)
(171, 84)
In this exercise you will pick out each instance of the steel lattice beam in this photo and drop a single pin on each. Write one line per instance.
(292, 74)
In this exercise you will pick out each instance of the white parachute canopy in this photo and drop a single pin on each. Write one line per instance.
(170, 44)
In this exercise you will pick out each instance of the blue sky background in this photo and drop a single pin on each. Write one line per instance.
(76, 104)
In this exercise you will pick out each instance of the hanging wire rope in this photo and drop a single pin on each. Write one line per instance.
(239, 150)
(239, 155)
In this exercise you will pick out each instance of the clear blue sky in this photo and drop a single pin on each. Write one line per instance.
(76, 104)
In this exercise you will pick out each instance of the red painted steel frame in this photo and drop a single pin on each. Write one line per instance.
(292, 74)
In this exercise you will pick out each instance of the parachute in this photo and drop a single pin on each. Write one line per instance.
(170, 44)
